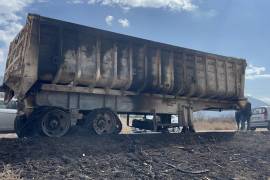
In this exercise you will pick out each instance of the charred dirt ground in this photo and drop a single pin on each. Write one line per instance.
(241, 155)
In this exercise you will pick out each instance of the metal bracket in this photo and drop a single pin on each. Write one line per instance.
(128, 121)
(74, 116)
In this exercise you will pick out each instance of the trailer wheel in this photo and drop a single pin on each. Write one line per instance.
(22, 126)
(118, 126)
(54, 123)
(103, 121)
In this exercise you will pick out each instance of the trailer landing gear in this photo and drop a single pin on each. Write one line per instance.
(187, 118)
(103, 121)
(187, 129)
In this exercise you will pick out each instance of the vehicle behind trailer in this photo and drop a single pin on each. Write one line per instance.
(260, 118)
(8, 114)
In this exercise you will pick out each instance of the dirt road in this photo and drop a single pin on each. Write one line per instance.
(148, 156)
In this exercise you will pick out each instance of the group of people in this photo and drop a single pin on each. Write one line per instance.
(242, 117)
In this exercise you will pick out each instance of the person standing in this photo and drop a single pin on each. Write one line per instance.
(248, 114)
(242, 116)
(237, 119)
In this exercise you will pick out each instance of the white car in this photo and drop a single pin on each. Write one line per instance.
(7, 115)
(260, 118)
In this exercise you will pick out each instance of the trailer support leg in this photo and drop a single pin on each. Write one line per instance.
(155, 120)
(190, 121)
(187, 118)
(183, 115)
(128, 120)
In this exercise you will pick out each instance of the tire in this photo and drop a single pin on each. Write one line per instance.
(102, 121)
(23, 127)
(53, 122)
(119, 126)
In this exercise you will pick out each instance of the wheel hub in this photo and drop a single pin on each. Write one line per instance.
(55, 123)
(103, 121)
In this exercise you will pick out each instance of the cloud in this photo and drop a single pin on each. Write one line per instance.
(175, 5)
(124, 22)
(75, 1)
(8, 32)
(109, 19)
(256, 72)
(42, 1)
(10, 22)
(200, 13)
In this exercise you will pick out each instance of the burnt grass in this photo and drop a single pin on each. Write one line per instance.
(240, 155)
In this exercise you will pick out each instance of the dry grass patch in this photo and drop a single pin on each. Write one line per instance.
(10, 174)
(215, 125)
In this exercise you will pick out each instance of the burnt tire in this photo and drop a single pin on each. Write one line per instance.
(102, 121)
(191, 129)
(118, 126)
(53, 122)
(24, 127)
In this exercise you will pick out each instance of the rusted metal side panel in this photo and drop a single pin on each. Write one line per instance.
(63, 53)
(221, 77)
(21, 67)
(88, 61)
(125, 104)
(201, 76)
(139, 66)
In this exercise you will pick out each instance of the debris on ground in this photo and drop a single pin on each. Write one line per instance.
(224, 155)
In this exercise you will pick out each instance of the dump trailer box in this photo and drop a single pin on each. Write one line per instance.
(57, 64)
(56, 52)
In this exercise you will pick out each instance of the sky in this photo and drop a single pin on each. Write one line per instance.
(237, 28)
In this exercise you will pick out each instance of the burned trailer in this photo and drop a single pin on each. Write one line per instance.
(63, 73)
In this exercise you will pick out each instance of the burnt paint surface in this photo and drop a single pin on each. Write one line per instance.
(70, 54)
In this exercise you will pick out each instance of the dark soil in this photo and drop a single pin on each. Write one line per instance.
(243, 155)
